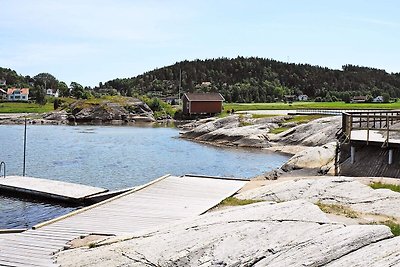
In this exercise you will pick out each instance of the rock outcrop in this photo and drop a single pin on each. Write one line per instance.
(239, 130)
(321, 158)
(315, 133)
(109, 112)
(235, 130)
(344, 191)
(294, 233)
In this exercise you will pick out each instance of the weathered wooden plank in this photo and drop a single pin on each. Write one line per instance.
(48, 188)
(167, 200)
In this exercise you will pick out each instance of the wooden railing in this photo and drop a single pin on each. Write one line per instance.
(335, 112)
(370, 121)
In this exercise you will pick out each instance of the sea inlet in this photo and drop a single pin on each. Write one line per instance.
(111, 157)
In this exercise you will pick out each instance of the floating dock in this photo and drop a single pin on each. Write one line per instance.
(165, 200)
(48, 189)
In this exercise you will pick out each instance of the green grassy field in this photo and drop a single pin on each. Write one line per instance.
(310, 105)
(18, 107)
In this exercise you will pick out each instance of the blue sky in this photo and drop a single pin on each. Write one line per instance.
(89, 41)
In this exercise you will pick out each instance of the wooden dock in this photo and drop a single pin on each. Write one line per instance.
(50, 189)
(165, 200)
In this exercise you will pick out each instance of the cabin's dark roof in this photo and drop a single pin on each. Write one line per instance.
(204, 96)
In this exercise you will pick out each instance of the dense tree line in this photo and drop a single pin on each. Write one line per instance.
(260, 80)
(238, 80)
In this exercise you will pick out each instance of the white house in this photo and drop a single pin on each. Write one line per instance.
(378, 99)
(52, 92)
(302, 98)
(18, 94)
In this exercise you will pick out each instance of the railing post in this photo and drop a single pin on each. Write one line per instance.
(367, 128)
(3, 164)
(387, 124)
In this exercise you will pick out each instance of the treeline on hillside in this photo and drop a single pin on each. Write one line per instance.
(238, 80)
(260, 80)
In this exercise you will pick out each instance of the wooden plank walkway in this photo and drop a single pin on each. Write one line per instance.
(51, 189)
(165, 200)
(377, 136)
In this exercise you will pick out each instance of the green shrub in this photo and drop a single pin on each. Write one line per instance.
(379, 185)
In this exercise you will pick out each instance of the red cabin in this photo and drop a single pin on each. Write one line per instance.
(202, 103)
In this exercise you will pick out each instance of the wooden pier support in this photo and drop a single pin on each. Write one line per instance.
(353, 154)
(390, 156)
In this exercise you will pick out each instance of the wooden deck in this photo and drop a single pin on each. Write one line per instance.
(372, 127)
(51, 189)
(165, 200)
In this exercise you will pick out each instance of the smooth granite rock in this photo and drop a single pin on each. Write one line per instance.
(331, 190)
(313, 157)
(315, 133)
(294, 233)
(234, 130)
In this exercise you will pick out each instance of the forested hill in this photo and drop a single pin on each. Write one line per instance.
(260, 80)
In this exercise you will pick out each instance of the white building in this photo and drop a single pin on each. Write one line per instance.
(18, 94)
(302, 98)
(3, 82)
(52, 92)
(378, 99)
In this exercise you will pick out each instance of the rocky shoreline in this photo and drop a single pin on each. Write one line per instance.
(312, 144)
(303, 215)
(130, 112)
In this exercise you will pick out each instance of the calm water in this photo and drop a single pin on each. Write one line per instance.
(113, 158)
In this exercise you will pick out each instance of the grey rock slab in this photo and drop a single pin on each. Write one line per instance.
(315, 133)
(331, 190)
(313, 157)
(383, 253)
(294, 233)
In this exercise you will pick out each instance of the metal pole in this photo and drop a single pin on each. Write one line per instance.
(23, 171)
(180, 85)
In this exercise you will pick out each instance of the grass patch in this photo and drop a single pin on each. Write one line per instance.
(394, 226)
(379, 185)
(279, 130)
(244, 123)
(309, 105)
(232, 201)
(338, 210)
(260, 116)
(300, 119)
(20, 107)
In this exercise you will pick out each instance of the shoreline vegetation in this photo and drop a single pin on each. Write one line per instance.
(23, 107)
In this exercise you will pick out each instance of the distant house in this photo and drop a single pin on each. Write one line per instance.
(3, 94)
(289, 98)
(18, 94)
(202, 103)
(52, 92)
(302, 98)
(359, 99)
(205, 84)
(172, 100)
(378, 99)
(3, 82)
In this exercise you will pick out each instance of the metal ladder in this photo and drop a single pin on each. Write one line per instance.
(3, 164)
